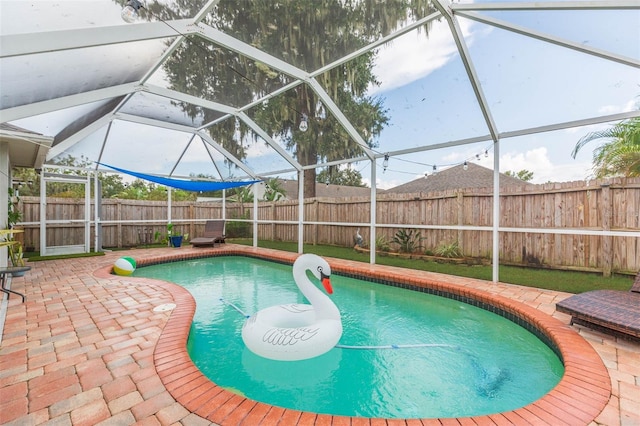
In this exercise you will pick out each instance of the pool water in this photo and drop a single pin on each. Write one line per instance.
(451, 359)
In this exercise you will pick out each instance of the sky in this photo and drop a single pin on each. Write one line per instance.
(527, 83)
(548, 71)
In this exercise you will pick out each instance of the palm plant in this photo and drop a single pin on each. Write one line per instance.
(408, 240)
(274, 190)
(620, 155)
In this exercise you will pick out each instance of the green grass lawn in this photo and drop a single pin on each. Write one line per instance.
(567, 281)
(35, 257)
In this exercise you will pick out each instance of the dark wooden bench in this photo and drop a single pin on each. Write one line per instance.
(213, 233)
(611, 311)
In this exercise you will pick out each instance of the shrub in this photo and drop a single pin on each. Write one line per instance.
(408, 240)
(449, 250)
(382, 243)
(238, 229)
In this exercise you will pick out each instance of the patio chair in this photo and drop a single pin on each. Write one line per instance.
(213, 233)
(610, 311)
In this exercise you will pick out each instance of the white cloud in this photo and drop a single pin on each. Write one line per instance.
(456, 156)
(537, 161)
(630, 105)
(382, 183)
(258, 149)
(397, 64)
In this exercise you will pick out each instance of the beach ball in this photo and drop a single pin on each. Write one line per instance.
(124, 266)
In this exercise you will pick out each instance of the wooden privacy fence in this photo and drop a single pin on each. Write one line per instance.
(611, 205)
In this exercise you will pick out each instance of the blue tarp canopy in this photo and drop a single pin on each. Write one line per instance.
(187, 185)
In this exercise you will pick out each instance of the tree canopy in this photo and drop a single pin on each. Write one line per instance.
(309, 41)
(113, 184)
(620, 154)
(341, 176)
(523, 174)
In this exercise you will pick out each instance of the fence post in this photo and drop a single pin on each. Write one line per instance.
(192, 215)
(273, 218)
(460, 206)
(314, 209)
(119, 225)
(607, 255)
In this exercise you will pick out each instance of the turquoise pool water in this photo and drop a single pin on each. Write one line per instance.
(468, 361)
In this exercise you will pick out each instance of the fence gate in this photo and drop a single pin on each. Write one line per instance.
(65, 224)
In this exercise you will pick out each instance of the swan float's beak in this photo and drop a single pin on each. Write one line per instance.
(326, 282)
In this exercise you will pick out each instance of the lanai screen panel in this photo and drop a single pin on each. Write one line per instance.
(312, 35)
(451, 74)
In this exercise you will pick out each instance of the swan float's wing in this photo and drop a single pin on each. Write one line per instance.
(296, 308)
(289, 336)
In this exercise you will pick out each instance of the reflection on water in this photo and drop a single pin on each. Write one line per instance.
(317, 372)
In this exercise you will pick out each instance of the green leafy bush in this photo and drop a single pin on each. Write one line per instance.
(449, 250)
(408, 240)
(382, 243)
(238, 229)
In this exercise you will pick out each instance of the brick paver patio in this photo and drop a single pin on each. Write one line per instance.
(91, 349)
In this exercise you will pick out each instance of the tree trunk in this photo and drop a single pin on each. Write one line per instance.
(309, 183)
(307, 155)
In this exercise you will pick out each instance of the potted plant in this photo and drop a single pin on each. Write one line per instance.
(15, 253)
(13, 214)
(7, 237)
(174, 240)
(14, 248)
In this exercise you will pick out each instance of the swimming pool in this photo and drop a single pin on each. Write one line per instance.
(362, 381)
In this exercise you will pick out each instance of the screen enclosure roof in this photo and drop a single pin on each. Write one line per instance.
(234, 90)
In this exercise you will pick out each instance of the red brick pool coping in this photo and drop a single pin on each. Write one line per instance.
(578, 398)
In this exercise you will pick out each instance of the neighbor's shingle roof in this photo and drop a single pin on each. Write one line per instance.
(456, 178)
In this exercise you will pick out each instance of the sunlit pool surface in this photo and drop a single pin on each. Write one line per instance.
(450, 359)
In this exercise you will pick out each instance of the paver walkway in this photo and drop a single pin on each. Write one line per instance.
(80, 350)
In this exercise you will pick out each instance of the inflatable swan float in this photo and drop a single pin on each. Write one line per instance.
(294, 332)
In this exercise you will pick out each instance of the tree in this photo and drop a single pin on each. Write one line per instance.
(341, 176)
(620, 156)
(29, 181)
(241, 194)
(523, 174)
(112, 183)
(274, 190)
(136, 190)
(308, 35)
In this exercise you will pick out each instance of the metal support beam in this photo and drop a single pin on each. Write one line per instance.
(273, 144)
(43, 107)
(77, 137)
(207, 139)
(372, 214)
(551, 5)
(458, 38)
(339, 115)
(496, 213)
(52, 41)
(301, 211)
(603, 54)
